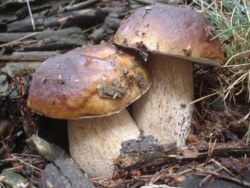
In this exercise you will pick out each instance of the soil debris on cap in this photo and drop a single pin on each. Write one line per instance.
(113, 90)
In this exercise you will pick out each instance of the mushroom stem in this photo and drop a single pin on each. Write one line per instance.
(164, 111)
(95, 142)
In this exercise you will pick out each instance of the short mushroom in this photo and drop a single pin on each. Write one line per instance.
(90, 87)
(173, 38)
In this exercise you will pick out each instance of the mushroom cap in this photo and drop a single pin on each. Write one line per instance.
(98, 80)
(170, 30)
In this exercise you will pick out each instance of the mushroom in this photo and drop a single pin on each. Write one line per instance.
(171, 38)
(90, 87)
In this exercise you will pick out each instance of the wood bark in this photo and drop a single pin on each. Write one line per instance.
(23, 12)
(48, 44)
(146, 153)
(62, 172)
(8, 37)
(67, 19)
(78, 5)
(34, 56)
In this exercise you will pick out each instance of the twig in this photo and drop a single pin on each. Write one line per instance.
(89, 29)
(152, 2)
(22, 38)
(208, 177)
(34, 56)
(210, 150)
(79, 5)
(223, 167)
(158, 176)
(217, 175)
(164, 176)
(146, 2)
(25, 163)
(49, 151)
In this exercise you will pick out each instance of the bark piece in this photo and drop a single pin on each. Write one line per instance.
(63, 172)
(147, 153)
(29, 56)
(51, 177)
(78, 6)
(56, 43)
(49, 151)
(68, 19)
(23, 12)
(49, 44)
(8, 37)
(142, 153)
(111, 24)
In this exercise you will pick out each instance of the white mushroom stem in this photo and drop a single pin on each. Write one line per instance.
(95, 142)
(164, 111)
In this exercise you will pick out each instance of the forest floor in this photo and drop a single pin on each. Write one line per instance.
(221, 119)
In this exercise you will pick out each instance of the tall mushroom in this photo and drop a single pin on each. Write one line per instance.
(95, 83)
(173, 38)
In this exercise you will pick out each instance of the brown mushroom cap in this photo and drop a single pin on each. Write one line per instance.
(172, 31)
(87, 82)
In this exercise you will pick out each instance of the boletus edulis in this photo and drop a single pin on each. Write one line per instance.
(91, 87)
(173, 38)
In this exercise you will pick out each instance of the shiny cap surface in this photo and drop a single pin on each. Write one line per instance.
(170, 30)
(87, 82)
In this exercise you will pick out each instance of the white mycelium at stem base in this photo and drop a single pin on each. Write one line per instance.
(173, 37)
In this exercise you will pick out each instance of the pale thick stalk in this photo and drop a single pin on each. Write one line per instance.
(164, 111)
(95, 142)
